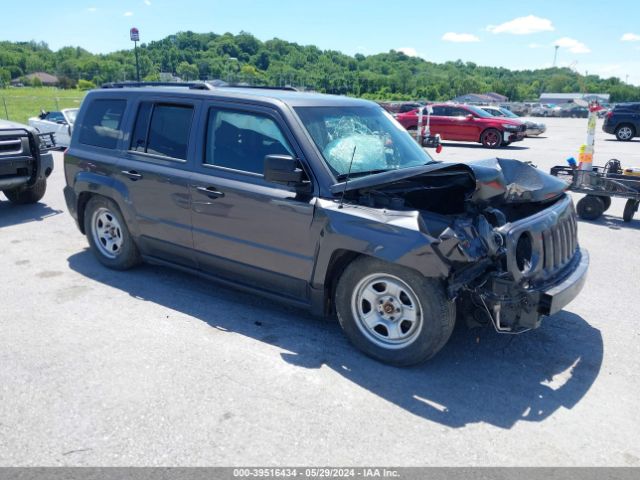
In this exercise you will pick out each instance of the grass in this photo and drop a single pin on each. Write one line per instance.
(18, 104)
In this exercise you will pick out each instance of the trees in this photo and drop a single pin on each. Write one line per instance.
(186, 71)
(242, 57)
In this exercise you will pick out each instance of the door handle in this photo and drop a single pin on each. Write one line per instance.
(132, 174)
(210, 192)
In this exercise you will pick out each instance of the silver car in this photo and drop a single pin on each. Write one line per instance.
(534, 128)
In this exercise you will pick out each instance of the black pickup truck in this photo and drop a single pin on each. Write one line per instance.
(25, 162)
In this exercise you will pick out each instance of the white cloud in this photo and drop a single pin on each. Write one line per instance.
(630, 37)
(523, 26)
(573, 45)
(128, 14)
(91, 9)
(459, 37)
(408, 51)
(147, 3)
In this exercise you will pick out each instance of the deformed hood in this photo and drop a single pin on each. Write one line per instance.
(513, 180)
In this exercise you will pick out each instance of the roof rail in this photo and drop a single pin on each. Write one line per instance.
(191, 85)
(263, 87)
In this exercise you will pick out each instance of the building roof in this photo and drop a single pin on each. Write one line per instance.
(490, 97)
(573, 96)
(44, 77)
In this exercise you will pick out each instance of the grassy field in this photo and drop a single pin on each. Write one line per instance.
(18, 104)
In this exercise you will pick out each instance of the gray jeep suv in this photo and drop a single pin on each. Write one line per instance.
(325, 202)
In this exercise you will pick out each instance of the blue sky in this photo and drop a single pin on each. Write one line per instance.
(593, 36)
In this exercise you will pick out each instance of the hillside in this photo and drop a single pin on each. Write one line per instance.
(243, 57)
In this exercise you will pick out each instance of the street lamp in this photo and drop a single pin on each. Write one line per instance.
(134, 34)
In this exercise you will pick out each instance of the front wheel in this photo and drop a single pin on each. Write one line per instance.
(392, 313)
(491, 138)
(108, 235)
(24, 195)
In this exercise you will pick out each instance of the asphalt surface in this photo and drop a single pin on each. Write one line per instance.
(154, 367)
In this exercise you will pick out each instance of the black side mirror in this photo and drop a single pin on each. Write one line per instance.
(283, 169)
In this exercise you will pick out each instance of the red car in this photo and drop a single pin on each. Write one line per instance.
(468, 124)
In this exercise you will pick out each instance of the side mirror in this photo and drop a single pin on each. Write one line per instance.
(283, 169)
(470, 117)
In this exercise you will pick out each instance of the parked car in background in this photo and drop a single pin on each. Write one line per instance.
(400, 107)
(574, 111)
(468, 123)
(517, 107)
(533, 128)
(546, 110)
(623, 121)
(60, 123)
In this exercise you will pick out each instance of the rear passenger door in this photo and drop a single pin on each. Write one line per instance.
(245, 228)
(156, 172)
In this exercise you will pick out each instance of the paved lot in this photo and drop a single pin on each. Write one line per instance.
(154, 367)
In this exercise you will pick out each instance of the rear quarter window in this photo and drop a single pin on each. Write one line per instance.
(101, 125)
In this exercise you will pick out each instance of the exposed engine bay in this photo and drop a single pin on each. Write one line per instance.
(505, 229)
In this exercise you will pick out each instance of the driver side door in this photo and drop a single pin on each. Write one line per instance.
(245, 228)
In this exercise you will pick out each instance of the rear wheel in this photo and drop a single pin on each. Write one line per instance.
(392, 313)
(625, 132)
(491, 138)
(108, 235)
(606, 201)
(23, 195)
(590, 207)
(630, 208)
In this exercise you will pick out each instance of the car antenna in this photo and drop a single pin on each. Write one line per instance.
(346, 180)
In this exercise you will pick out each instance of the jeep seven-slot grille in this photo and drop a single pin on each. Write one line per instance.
(559, 243)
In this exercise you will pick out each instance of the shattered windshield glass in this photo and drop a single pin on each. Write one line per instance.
(367, 138)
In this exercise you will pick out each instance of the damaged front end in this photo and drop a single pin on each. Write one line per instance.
(506, 231)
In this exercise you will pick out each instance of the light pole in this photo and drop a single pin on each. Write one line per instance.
(555, 55)
(134, 34)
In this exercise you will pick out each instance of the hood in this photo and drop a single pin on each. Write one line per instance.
(8, 125)
(513, 180)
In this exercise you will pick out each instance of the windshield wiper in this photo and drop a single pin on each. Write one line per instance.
(363, 173)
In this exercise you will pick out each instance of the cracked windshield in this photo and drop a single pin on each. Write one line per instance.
(361, 140)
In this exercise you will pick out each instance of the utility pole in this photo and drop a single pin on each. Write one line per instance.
(555, 55)
(134, 34)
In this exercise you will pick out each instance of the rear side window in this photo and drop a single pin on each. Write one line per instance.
(162, 129)
(101, 124)
(241, 141)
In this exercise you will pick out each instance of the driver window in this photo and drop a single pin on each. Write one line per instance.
(240, 140)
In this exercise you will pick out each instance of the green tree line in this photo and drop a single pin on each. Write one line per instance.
(244, 58)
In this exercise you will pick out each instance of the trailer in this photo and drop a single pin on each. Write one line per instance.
(599, 185)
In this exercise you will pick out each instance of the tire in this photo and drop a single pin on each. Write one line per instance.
(630, 208)
(410, 317)
(606, 201)
(491, 138)
(108, 235)
(24, 195)
(625, 132)
(590, 207)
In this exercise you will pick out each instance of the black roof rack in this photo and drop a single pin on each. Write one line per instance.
(209, 85)
(263, 87)
(191, 85)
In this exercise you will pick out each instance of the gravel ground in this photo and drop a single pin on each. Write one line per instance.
(154, 367)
